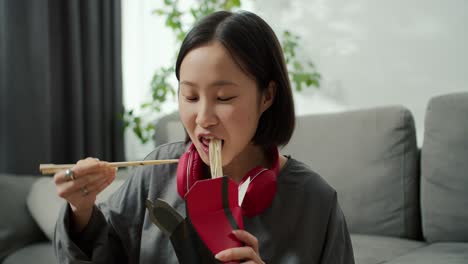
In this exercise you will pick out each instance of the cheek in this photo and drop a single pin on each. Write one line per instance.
(243, 119)
(187, 117)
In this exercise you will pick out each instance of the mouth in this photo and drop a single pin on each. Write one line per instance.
(205, 142)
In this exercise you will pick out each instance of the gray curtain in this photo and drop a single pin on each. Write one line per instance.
(60, 82)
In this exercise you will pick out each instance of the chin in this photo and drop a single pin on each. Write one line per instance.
(226, 162)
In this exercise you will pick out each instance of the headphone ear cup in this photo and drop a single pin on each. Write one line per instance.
(260, 193)
(189, 170)
(196, 169)
(182, 174)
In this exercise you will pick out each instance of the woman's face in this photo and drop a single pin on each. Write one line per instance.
(218, 100)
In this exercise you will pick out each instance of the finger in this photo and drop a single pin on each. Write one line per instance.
(89, 165)
(80, 169)
(61, 177)
(100, 185)
(92, 166)
(247, 238)
(104, 175)
(88, 159)
(103, 185)
(238, 254)
(67, 188)
(88, 179)
(87, 192)
(94, 189)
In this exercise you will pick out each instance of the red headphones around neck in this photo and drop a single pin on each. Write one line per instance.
(260, 191)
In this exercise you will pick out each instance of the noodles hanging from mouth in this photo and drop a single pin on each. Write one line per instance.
(216, 162)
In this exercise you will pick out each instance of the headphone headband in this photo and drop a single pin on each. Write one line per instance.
(259, 194)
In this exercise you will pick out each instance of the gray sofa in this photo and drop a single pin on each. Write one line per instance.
(402, 204)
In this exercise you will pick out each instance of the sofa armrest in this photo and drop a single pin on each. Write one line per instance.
(17, 227)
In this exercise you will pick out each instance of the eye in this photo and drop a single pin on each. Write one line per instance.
(226, 99)
(191, 98)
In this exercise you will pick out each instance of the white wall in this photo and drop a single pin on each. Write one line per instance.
(147, 45)
(370, 52)
(374, 52)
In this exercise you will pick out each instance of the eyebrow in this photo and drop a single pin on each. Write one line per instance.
(215, 83)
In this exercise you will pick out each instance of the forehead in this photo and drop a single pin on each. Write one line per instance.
(210, 62)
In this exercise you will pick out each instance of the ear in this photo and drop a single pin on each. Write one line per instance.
(268, 96)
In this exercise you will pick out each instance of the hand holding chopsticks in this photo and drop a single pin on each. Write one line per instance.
(53, 168)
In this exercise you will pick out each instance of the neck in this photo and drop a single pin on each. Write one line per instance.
(251, 157)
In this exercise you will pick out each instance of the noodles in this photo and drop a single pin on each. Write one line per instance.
(216, 162)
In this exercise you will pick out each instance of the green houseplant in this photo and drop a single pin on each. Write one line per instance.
(302, 74)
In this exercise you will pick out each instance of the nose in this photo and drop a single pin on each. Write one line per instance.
(206, 115)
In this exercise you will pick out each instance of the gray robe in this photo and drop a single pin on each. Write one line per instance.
(304, 223)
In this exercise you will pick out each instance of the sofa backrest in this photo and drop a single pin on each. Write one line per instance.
(444, 169)
(371, 158)
(169, 128)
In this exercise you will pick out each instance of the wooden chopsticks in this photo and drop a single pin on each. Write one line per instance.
(53, 168)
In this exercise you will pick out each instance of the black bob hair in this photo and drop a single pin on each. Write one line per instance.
(256, 49)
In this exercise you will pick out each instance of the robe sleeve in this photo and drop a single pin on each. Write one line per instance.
(97, 243)
(338, 248)
(112, 235)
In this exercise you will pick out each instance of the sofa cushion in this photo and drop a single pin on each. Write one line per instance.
(444, 169)
(371, 158)
(378, 249)
(447, 253)
(39, 253)
(45, 205)
(17, 227)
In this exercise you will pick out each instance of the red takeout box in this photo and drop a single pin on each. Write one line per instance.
(213, 210)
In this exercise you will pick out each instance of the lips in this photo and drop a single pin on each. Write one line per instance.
(205, 139)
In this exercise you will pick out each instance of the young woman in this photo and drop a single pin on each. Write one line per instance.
(233, 86)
